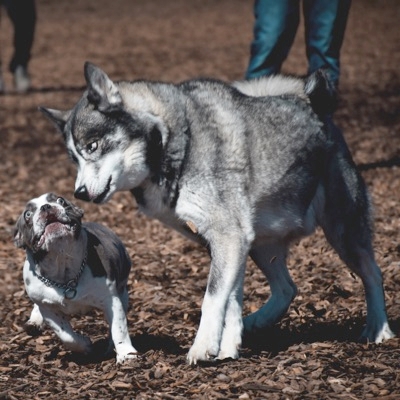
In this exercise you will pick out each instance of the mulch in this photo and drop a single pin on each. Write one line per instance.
(313, 353)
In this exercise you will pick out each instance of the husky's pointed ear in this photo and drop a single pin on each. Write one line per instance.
(59, 118)
(102, 92)
(321, 92)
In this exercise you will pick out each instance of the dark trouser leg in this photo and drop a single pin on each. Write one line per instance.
(275, 27)
(23, 16)
(325, 24)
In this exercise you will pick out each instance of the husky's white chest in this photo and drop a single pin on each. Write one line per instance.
(152, 202)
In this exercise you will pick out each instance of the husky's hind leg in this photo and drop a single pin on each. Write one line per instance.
(271, 259)
(347, 226)
(377, 328)
(359, 257)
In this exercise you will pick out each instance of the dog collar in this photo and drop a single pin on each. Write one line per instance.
(69, 287)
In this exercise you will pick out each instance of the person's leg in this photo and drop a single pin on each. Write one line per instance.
(2, 86)
(325, 24)
(275, 27)
(23, 16)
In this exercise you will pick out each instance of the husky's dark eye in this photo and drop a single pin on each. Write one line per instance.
(28, 215)
(60, 201)
(91, 147)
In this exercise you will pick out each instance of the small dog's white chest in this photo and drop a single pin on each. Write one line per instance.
(86, 297)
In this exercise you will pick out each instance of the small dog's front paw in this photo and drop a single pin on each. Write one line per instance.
(80, 344)
(85, 345)
(88, 347)
(123, 358)
(32, 329)
(125, 352)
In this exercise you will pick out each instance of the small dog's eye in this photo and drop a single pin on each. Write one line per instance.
(91, 147)
(28, 215)
(60, 201)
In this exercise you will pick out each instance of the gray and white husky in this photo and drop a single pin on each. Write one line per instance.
(239, 170)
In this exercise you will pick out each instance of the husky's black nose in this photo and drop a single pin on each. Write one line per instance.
(81, 193)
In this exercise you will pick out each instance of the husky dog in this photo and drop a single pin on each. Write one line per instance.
(243, 174)
(71, 268)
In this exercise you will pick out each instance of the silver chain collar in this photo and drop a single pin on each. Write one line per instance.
(69, 287)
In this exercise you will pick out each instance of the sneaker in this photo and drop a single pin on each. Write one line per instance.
(22, 81)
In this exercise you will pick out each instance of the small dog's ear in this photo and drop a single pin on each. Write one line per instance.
(17, 237)
(58, 117)
(102, 92)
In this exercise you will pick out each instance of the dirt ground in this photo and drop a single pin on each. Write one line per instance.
(313, 353)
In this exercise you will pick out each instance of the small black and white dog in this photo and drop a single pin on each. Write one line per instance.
(71, 268)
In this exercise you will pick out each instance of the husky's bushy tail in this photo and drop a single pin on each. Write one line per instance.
(315, 88)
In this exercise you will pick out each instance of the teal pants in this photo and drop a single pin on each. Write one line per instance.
(276, 23)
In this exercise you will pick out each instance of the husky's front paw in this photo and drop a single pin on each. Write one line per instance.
(200, 352)
(231, 353)
(231, 340)
(377, 335)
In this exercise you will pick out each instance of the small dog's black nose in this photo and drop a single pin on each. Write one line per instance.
(45, 207)
(81, 193)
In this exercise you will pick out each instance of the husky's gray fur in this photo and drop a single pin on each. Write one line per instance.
(244, 174)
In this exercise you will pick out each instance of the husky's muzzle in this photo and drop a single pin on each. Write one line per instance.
(83, 194)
